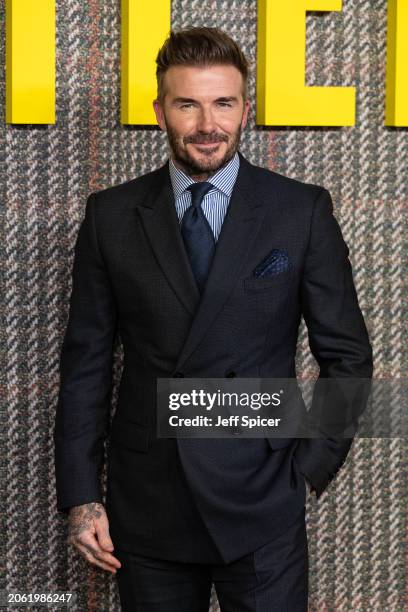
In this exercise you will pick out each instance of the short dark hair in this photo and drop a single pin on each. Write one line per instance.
(199, 46)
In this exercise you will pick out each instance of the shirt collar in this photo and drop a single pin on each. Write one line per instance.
(223, 180)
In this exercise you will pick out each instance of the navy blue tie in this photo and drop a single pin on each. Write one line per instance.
(197, 234)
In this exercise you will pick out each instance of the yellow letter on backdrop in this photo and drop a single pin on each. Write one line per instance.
(282, 96)
(145, 26)
(30, 61)
(396, 109)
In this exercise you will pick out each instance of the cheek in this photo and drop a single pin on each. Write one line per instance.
(185, 127)
(229, 124)
(179, 125)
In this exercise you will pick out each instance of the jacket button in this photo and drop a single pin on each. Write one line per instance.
(230, 375)
(178, 375)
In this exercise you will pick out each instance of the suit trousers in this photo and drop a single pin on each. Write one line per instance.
(273, 578)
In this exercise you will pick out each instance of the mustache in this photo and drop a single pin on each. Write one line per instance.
(212, 139)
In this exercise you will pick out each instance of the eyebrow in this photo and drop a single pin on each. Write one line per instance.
(189, 100)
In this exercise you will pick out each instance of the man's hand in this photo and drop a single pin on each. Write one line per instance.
(88, 531)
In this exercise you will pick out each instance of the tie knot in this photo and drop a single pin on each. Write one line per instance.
(198, 191)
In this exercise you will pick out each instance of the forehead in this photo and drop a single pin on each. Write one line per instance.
(211, 81)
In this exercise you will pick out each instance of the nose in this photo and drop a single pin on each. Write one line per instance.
(205, 122)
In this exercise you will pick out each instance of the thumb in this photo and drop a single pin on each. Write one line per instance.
(102, 532)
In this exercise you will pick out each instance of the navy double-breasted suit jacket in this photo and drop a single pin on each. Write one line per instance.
(131, 276)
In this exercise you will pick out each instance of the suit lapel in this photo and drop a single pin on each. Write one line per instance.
(159, 217)
(242, 222)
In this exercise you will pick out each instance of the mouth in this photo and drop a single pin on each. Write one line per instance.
(208, 145)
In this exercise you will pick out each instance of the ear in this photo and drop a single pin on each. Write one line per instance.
(247, 107)
(159, 114)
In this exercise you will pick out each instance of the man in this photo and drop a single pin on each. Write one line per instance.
(170, 260)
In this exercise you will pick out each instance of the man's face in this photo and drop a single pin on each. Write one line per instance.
(203, 114)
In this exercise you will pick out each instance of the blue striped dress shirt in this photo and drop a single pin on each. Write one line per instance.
(215, 202)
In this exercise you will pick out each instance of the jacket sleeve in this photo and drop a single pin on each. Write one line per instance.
(338, 340)
(86, 361)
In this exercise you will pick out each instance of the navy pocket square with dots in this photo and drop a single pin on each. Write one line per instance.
(275, 262)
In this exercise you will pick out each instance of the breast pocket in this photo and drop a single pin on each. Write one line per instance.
(253, 284)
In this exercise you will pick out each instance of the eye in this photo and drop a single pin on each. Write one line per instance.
(224, 104)
(187, 105)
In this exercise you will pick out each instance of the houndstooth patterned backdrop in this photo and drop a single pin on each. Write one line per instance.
(358, 529)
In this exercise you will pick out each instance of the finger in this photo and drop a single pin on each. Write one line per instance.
(102, 533)
(93, 560)
(90, 542)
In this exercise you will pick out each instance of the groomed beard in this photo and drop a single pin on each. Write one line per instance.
(208, 166)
